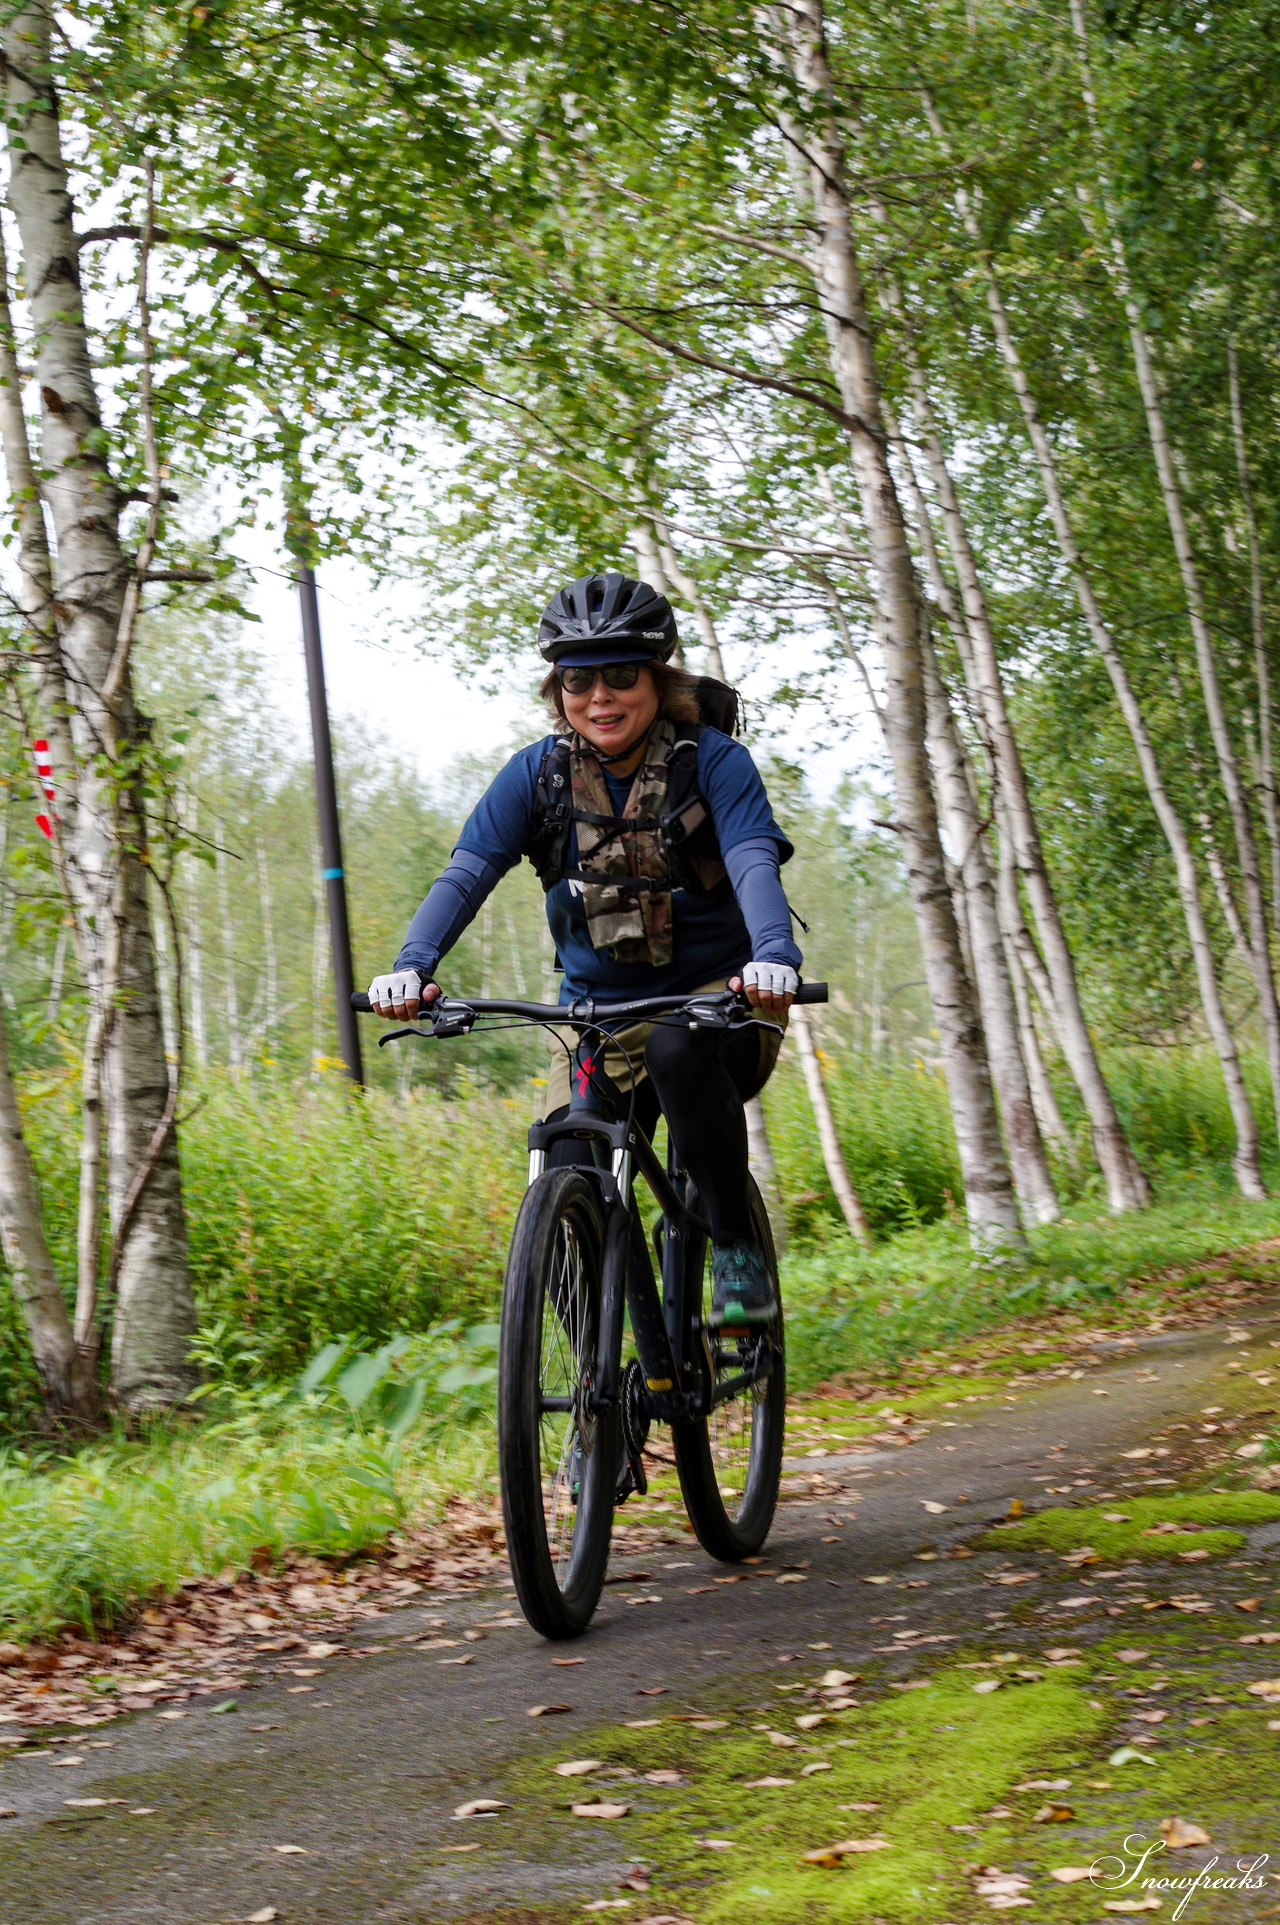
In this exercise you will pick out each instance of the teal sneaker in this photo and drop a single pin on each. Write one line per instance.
(742, 1289)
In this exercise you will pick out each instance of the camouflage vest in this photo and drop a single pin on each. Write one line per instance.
(628, 910)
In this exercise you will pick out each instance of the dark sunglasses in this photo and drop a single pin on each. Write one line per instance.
(579, 681)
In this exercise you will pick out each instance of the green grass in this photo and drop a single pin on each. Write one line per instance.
(1063, 1529)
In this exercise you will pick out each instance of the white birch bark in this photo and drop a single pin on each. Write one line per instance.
(190, 809)
(687, 587)
(764, 1168)
(230, 987)
(270, 955)
(1245, 1159)
(989, 1196)
(961, 808)
(66, 1372)
(1258, 623)
(154, 1315)
(832, 1156)
(957, 792)
(1127, 1187)
(1103, 229)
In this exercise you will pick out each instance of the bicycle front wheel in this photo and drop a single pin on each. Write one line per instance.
(557, 1456)
(730, 1460)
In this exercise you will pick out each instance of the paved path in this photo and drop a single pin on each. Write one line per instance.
(364, 1776)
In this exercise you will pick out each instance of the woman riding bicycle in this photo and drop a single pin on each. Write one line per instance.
(660, 855)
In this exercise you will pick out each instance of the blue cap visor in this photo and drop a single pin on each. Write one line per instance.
(600, 655)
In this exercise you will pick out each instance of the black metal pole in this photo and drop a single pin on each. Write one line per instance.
(330, 832)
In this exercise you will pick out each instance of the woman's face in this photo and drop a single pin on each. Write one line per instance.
(613, 719)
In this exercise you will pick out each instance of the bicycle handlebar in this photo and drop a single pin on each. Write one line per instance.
(585, 1010)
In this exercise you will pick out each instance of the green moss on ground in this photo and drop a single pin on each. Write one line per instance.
(1127, 1528)
(955, 1776)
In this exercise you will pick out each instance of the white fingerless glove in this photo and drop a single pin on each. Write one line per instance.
(402, 989)
(771, 979)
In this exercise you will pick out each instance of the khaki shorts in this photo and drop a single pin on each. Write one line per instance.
(632, 1040)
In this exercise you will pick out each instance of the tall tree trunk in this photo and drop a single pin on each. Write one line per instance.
(832, 1156)
(154, 1311)
(230, 988)
(1103, 230)
(66, 1372)
(270, 959)
(961, 808)
(686, 586)
(1127, 1187)
(1258, 622)
(57, 975)
(988, 1188)
(957, 792)
(764, 1168)
(1245, 1158)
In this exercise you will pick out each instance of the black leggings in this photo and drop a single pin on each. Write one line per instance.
(698, 1079)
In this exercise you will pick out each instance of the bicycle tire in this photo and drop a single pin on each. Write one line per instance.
(742, 1438)
(558, 1469)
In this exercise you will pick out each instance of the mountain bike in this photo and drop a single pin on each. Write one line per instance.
(573, 1417)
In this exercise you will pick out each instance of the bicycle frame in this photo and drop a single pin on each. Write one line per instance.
(678, 1386)
(659, 1323)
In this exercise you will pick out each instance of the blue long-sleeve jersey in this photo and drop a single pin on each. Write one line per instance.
(715, 934)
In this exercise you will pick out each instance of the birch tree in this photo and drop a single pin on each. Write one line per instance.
(80, 594)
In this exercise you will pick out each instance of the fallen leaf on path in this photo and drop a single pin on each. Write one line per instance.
(641, 1724)
(862, 1804)
(469, 1659)
(323, 1650)
(1116, 1517)
(1070, 1874)
(478, 1807)
(830, 1856)
(1015, 1577)
(715, 1844)
(264, 1917)
(835, 1680)
(228, 1704)
(172, 1714)
(1052, 1814)
(142, 1811)
(768, 1784)
(264, 1727)
(1248, 1603)
(810, 1720)
(1261, 1637)
(291, 1851)
(809, 1770)
(1149, 1904)
(93, 1801)
(665, 1777)
(1015, 1507)
(1264, 1688)
(877, 1580)
(547, 1710)
(1151, 1717)
(934, 1510)
(578, 1767)
(1045, 1784)
(1126, 1755)
(1143, 1451)
(791, 1577)
(1131, 1656)
(653, 1690)
(987, 1684)
(1179, 1834)
(565, 1662)
(475, 1847)
(1059, 1653)
(601, 1810)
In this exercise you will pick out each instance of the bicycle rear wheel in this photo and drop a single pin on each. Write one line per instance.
(730, 1461)
(558, 1458)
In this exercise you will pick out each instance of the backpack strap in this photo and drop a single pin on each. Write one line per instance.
(552, 814)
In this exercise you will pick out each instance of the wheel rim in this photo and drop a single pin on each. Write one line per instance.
(735, 1426)
(566, 1361)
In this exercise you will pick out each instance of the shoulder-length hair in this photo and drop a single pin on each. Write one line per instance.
(677, 695)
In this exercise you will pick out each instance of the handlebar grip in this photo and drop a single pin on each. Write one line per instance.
(360, 1001)
(811, 993)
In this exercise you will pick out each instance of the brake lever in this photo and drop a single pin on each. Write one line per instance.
(394, 1035)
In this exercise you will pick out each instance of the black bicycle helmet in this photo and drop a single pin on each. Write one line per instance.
(607, 618)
